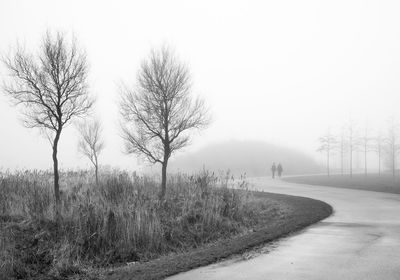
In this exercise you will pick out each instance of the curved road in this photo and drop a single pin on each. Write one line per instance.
(361, 240)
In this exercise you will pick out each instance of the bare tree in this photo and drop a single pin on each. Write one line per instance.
(365, 144)
(378, 148)
(342, 149)
(91, 143)
(327, 144)
(392, 147)
(352, 145)
(51, 87)
(159, 112)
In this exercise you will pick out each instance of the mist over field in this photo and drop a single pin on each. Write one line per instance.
(253, 158)
(276, 72)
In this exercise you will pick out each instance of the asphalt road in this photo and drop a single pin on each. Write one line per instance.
(361, 240)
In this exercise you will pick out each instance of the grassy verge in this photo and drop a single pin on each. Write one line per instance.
(371, 182)
(121, 221)
(296, 213)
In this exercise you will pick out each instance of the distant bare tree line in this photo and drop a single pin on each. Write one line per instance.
(384, 143)
(157, 114)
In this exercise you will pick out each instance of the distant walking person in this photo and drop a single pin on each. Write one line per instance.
(280, 170)
(273, 169)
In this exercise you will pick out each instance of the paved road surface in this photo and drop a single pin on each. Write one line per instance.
(361, 240)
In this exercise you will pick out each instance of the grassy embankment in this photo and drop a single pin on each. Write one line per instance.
(371, 182)
(295, 214)
(121, 221)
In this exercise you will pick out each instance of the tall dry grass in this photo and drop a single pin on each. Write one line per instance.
(121, 219)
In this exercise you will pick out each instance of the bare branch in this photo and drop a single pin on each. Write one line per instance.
(91, 143)
(50, 88)
(159, 112)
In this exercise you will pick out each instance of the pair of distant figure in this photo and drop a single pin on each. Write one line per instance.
(278, 169)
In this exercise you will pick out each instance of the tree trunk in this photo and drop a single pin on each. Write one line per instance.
(365, 161)
(167, 153)
(96, 174)
(351, 162)
(341, 162)
(56, 177)
(327, 163)
(96, 171)
(379, 161)
(394, 160)
(341, 154)
(163, 180)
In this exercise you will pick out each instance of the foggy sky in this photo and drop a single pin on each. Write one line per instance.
(274, 71)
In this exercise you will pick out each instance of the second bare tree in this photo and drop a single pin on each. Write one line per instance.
(159, 112)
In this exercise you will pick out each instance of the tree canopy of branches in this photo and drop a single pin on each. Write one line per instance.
(91, 143)
(51, 89)
(159, 112)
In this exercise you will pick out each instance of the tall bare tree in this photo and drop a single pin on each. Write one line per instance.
(327, 144)
(392, 146)
(159, 112)
(378, 148)
(352, 144)
(91, 143)
(51, 88)
(342, 149)
(365, 144)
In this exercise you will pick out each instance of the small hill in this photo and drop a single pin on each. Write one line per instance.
(251, 157)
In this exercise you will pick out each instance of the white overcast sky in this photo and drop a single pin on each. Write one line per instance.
(279, 71)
